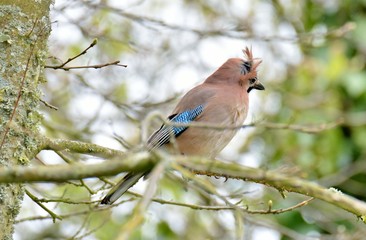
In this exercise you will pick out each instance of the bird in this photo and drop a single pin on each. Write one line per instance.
(222, 100)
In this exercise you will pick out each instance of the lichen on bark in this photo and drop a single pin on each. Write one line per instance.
(24, 31)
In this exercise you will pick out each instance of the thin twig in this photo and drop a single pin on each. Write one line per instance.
(67, 201)
(91, 192)
(295, 127)
(81, 227)
(221, 208)
(62, 65)
(95, 41)
(115, 63)
(48, 105)
(92, 230)
(299, 128)
(73, 214)
(36, 200)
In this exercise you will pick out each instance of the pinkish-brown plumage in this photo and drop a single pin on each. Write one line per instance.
(223, 106)
(224, 96)
(222, 100)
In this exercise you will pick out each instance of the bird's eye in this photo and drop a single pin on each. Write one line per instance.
(252, 80)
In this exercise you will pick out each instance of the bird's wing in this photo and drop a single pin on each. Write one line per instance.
(165, 133)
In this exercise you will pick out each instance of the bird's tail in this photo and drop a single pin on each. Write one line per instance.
(122, 186)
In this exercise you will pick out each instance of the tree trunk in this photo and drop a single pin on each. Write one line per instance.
(24, 31)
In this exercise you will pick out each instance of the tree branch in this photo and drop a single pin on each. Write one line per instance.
(144, 160)
(62, 65)
(95, 41)
(36, 200)
(225, 207)
(96, 66)
(60, 173)
(80, 147)
(278, 181)
(304, 128)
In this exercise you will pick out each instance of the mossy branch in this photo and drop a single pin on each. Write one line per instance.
(276, 180)
(139, 161)
(60, 173)
(80, 147)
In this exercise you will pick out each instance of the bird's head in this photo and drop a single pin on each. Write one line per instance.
(239, 71)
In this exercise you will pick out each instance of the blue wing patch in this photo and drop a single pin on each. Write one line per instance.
(185, 117)
(163, 135)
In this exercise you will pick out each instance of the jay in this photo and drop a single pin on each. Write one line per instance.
(222, 100)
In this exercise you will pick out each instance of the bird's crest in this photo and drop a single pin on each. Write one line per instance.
(250, 64)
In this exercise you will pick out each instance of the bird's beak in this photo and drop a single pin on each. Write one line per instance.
(258, 85)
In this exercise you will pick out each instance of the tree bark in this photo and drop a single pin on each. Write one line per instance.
(24, 31)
